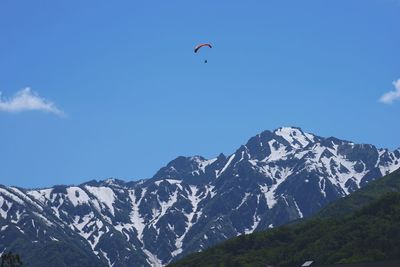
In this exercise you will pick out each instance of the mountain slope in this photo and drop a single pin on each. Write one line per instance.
(193, 203)
(371, 233)
(372, 192)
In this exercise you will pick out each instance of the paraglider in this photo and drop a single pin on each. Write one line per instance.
(199, 46)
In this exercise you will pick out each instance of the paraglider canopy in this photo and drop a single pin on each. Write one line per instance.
(199, 46)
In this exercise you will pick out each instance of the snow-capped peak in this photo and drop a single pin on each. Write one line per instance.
(295, 136)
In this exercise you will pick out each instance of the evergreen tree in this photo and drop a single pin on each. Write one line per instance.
(9, 259)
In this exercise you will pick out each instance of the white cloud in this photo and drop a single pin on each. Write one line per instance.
(391, 96)
(27, 100)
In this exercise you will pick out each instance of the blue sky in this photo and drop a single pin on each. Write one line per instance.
(119, 91)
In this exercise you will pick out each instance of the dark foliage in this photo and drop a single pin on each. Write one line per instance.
(9, 259)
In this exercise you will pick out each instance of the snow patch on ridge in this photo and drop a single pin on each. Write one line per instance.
(391, 166)
(246, 195)
(104, 195)
(11, 196)
(3, 213)
(294, 136)
(269, 192)
(44, 219)
(23, 196)
(41, 195)
(77, 196)
(135, 216)
(107, 258)
(256, 219)
(152, 259)
(194, 201)
(276, 153)
(205, 163)
(226, 165)
(164, 206)
(298, 209)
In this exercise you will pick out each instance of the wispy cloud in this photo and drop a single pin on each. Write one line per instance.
(27, 100)
(391, 96)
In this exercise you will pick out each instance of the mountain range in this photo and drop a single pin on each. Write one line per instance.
(190, 204)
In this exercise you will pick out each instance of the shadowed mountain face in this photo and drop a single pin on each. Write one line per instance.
(193, 202)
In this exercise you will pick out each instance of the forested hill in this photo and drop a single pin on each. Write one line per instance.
(370, 233)
(361, 197)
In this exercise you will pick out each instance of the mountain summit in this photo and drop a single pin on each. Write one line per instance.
(192, 202)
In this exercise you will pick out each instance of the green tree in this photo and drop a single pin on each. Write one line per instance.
(9, 259)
